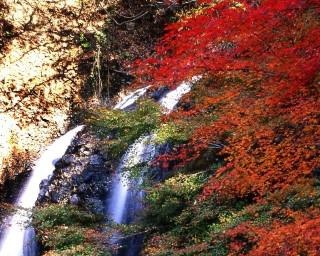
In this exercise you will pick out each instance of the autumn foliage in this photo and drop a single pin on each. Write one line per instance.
(260, 62)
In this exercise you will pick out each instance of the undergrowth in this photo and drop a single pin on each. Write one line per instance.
(69, 230)
(119, 129)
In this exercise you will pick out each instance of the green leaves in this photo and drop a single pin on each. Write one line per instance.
(172, 133)
(167, 200)
(65, 230)
(57, 215)
(84, 42)
(119, 129)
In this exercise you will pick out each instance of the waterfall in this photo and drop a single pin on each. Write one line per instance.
(141, 151)
(18, 239)
(171, 99)
(130, 99)
(120, 184)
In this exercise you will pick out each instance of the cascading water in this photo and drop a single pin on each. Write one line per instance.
(171, 99)
(17, 238)
(130, 99)
(120, 186)
(141, 151)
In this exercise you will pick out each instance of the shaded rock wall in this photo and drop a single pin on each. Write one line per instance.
(82, 176)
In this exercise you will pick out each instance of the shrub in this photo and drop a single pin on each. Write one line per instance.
(172, 133)
(68, 230)
(168, 199)
(123, 128)
(81, 250)
(64, 238)
(58, 215)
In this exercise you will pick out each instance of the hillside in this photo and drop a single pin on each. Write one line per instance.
(251, 124)
(220, 143)
(58, 58)
(39, 80)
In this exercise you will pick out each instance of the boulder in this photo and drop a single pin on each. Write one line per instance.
(158, 94)
(74, 199)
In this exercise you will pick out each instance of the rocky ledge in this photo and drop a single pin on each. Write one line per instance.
(82, 176)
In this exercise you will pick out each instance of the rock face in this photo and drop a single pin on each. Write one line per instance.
(82, 176)
(39, 81)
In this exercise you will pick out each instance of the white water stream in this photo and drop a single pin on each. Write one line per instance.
(131, 98)
(17, 238)
(141, 151)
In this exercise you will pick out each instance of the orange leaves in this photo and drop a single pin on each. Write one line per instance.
(261, 166)
(227, 96)
(265, 57)
(269, 147)
(261, 64)
(301, 237)
(214, 184)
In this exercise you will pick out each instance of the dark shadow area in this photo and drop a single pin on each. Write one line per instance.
(7, 30)
(130, 32)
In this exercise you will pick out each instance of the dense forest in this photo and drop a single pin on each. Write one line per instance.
(237, 163)
(256, 109)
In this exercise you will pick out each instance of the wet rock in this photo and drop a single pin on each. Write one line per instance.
(186, 105)
(74, 199)
(96, 160)
(164, 148)
(158, 94)
(54, 197)
(76, 179)
(108, 165)
(95, 205)
(316, 172)
(87, 177)
(83, 188)
(131, 107)
(82, 173)
(42, 195)
(65, 161)
(44, 184)
(68, 159)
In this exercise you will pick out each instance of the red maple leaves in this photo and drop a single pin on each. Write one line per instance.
(263, 58)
